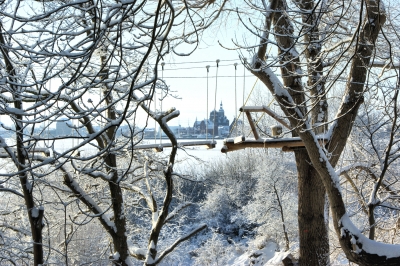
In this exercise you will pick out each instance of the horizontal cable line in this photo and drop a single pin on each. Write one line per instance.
(181, 68)
(208, 77)
(179, 63)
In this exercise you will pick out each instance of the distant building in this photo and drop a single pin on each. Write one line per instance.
(220, 120)
(62, 127)
(216, 124)
(196, 126)
(203, 126)
(219, 127)
(176, 130)
(149, 133)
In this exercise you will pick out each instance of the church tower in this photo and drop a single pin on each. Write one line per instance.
(220, 118)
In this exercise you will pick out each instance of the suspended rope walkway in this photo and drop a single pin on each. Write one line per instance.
(239, 142)
(160, 147)
(209, 143)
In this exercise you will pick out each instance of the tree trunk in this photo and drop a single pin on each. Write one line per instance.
(35, 221)
(120, 239)
(313, 231)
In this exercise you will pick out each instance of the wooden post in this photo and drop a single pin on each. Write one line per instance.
(252, 125)
(265, 109)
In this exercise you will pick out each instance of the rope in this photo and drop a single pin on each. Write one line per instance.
(227, 60)
(244, 88)
(244, 104)
(208, 69)
(202, 77)
(235, 64)
(194, 67)
(258, 120)
(215, 98)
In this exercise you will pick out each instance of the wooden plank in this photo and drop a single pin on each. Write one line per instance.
(266, 145)
(228, 147)
(287, 144)
(267, 110)
(160, 146)
(290, 149)
(252, 125)
(211, 146)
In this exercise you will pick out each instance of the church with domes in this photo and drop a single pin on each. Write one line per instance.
(220, 119)
(216, 124)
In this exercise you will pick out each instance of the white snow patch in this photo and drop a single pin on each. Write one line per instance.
(154, 218)
(129, 262)
(116, 256)
(323, 159)
(137, 251)
(257, 258)
(152, 245)
(368, 245)
(277, 259)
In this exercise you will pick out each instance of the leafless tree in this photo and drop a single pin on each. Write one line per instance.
(93, 64)
(330, 55)
(372, 162)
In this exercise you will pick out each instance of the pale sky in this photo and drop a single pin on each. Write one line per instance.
(189, 82)
(187, 78)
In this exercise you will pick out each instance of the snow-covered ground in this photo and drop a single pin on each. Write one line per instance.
(267, 256)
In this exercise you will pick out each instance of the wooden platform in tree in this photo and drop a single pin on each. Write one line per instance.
(286, 144)
(160, 146)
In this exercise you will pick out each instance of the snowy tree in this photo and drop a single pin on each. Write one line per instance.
(273, 203)
(330, 55)
(89, 68)
(251, 203)
(372, 166)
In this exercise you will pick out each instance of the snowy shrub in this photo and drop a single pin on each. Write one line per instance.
(274, 204)
(231, 186)
(216, 251)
